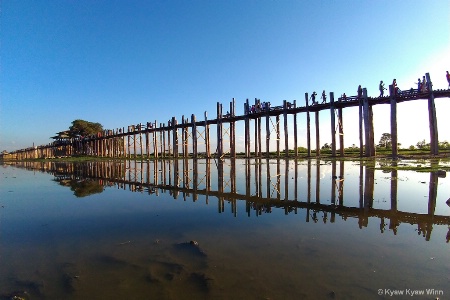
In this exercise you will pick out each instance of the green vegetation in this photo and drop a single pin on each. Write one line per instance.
(79, 128)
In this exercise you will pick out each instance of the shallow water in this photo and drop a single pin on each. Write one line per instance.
(266, 229)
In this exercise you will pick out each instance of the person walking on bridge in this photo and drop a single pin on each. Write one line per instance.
(324, 97)
(382, 88)
(313, 98)
(419, 85)
(424, 87)
(448, 79)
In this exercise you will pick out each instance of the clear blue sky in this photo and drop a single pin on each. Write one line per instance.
(124, 62)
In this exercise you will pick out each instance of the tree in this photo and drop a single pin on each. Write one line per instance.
(84, 128)
(385, 140)
(421, 144)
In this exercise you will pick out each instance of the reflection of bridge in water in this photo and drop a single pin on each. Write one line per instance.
(268, 184)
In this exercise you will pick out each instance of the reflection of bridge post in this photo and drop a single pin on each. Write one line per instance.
(333, 182)
(317, 181)
(195, 179)
(176, 177)
(296, 179)
(431, 202)
(278, 180)
(309, 189)
(368, 191)
(186, 178)
(259, 166)
(341, 183)
(247, 185)
(233, 184)
(220, 185)
(393, 222)
(268, 184)
(333, 188)
(286, 184)
(361, 185)
(208, 179)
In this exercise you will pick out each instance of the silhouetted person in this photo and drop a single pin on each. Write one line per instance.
(448, 79)
(394, 86)
(313, 98)
(419, 85)
(324, 97)
(424, 85)
(382, 88)
(359, 92)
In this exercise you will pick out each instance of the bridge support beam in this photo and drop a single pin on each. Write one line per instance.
(394, 140)
(434, 140)
(368, 126)
(308, 127)
(333, 125)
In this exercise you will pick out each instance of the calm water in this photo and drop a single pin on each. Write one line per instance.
(243, 229)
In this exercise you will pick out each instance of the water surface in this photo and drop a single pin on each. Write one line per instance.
(255, 229)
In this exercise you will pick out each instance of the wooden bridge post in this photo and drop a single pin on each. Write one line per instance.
(361, 143)
(138, 128)
(295, 132)
(394, 140)
(219, 149)
(233, 129)
(256, 130)
(259, 130)
(277, 118)
(147, 141)
(333, 125)
(134, 141)
(162, 145)
(155, 140)
(194, 136)
(434, 140)
(184, 137)
(341, 132)
(175, 137)
(316, 113)
(247, 129)
(169, 148)
(368, 126)
(207, 142)
(267, 109)
(183, 141)
(286, 137)
(308, 127)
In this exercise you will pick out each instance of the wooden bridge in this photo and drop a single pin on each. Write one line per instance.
(269, 184)
(174, 139)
